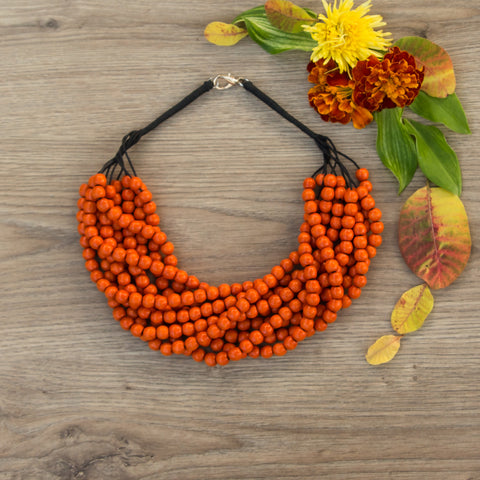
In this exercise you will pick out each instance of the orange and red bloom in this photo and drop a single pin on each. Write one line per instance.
(372, 85)
(392, 82)
(332, 95)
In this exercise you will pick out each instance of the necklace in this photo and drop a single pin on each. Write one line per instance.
(132, 262)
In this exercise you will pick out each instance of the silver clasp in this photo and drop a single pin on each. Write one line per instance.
(225, 81)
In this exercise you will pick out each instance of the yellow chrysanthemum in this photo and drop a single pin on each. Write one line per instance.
(347, 35)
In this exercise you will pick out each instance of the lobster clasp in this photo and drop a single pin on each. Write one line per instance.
(225, 81)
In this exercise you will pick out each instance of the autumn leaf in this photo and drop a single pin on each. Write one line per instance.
(383, 350)
(434, 236)
(412, 309)
(286, 16)
(439, 78)
(224, 34)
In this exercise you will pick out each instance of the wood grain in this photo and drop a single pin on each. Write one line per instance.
(82, 399)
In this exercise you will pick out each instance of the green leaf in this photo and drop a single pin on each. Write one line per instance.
(274, 40)
(253, 12)
(287, 16)
(438, 161)
(447, 110)
(439, 78)
(395, 146)
(412, 309)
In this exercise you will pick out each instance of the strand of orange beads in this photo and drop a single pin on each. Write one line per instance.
(132, 262)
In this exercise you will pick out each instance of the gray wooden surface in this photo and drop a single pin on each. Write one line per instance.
(82, 399)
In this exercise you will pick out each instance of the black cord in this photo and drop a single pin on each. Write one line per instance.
(331, 156)
(134, 136)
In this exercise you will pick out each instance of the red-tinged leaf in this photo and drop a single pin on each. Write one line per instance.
(439, 78)
(286, 16)
(224, 34)
(434, 236)
(383, 350)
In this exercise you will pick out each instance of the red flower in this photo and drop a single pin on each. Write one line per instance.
(393, 82)
(331, 97)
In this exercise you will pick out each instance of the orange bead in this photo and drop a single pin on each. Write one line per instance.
(309, 182)
(256, 337)
(375, 240)
(367, 202)
(191, 344)
(354, 292)
(306, 259)
(319, 179)
(210, 359)
(178, 347)
(327, 193)
(374, 215)
(149, 333)
(328, 316)
(198, 355)
(266, 351)
(330, 180)
(290, 343)
(361, 255)
(308, 194)
(222, 358)
(278, 272)
(362, 174)
(310, 207)
(235, 354)
(362, 192)
(376, 227)
(174, 300)
(136, 330)
(246, 346)
(320, 325)
(166, 349)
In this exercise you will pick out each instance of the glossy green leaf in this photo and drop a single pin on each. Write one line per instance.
(439, 78)
(438, 161)
(446, 110)
(383, 350)
(412, 309)
(434, 236)
(287, 16)
(253, 12)
(224, 34)
(395, 146)
(274, 40)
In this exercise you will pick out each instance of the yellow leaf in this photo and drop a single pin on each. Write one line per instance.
(412, 309)
(383, 350)
(224, 34)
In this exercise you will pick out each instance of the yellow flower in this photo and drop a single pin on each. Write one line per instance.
(347, 35)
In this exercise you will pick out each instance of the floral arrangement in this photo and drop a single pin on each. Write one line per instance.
(361, 75)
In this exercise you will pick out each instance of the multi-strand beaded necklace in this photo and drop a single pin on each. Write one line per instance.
(132, 262)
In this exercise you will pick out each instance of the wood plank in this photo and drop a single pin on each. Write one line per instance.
(81, 398)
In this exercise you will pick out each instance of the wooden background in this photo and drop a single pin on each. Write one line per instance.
(82, 399)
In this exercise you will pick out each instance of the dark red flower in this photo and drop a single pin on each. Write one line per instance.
(331, 96)
(392, 82)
